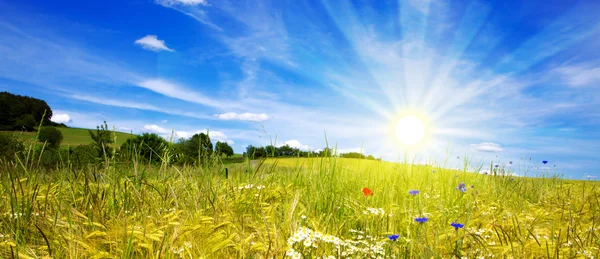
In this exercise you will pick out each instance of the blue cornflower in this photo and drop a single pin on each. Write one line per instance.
(461, 187)
(485, 173)
(394, 237)
(421, 220)
(512, 179)
(545, 162)
(457, 225)
(496, 165)
(414, 192)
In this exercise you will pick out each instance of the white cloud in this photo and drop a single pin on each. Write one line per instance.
(151, 42)
(295, 144)
(155, 129)
(486, 147)
(61, 118)
(182, 2)
(243, 116)
(126, 129)
(164, 121)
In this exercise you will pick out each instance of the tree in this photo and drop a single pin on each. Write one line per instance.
(14, 107)
(272, 151)
(26, 122)
(102, 139)
(326, 152)
(286, 150)
(52, 136)
(194, 150)
(223, 148)
(149, 146)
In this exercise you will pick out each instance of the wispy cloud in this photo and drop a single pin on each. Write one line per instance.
(151, 42)
(243, 116)
(173, 90)
(136, 105)
(486, 147)
(580, 75)
(182, 2)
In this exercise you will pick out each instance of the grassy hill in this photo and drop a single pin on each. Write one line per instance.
(74, 136)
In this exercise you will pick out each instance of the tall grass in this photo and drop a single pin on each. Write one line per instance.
(293, 207)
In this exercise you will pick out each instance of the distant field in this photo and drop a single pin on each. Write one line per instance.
(74, 136)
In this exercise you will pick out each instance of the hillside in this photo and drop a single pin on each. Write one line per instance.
(74, 136)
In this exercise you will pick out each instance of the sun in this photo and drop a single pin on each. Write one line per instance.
(410, 130)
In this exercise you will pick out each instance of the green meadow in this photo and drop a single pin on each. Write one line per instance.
(72, 136)
(293, 208)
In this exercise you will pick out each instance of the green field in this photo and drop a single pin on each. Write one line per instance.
(295, 207)
(73, 136)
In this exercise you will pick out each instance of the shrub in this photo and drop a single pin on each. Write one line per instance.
(149, 146)
(52, 136)
(83, 155)
(9, 146)
(102, 139)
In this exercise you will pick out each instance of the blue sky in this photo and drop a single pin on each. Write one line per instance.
(495, 80)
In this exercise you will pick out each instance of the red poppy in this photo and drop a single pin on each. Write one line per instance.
(366, 191)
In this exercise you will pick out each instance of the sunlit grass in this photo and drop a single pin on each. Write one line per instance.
(307, 207)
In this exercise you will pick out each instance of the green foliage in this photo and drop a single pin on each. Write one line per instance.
(222, 148)
(51, 136)
(102, 139)
(15, 109)
(195, 150)
(84, 155)
(353, 155)
(9, 146)
(149, 146)
(26, 122)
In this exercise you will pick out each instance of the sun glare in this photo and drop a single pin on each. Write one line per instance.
(410, 130)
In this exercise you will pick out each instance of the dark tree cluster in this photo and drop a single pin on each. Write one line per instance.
(23, 113)
(286, 151)
(282, 151)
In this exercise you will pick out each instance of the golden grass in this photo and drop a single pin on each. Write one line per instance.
(260, 210)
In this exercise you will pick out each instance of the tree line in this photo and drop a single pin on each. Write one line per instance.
(288, 151)
(147, 148)
(24, 113)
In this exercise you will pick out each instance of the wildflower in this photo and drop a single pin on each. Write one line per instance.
(545, 162)
(461, 187)
(367, 192)
(510, 162)
(433, 171)
(485, 173)
(457, 225)
(394, 237)
(496, 165)
(414, 192)
(512, 179)
(421, 220)
(303, 217)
